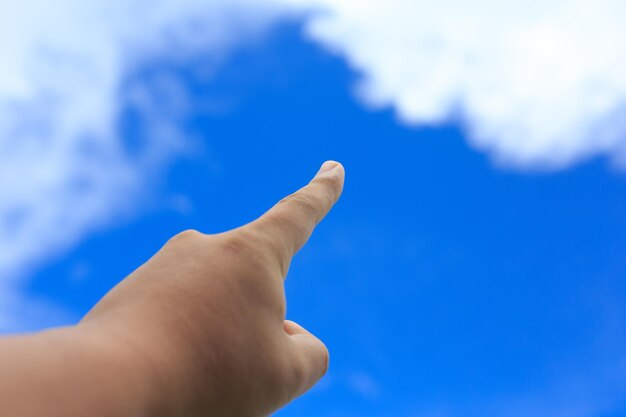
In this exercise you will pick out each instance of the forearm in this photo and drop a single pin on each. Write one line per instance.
(75, 371)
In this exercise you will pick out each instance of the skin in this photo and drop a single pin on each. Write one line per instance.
(198, 330)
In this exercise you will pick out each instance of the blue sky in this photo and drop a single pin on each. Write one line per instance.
(446, 282)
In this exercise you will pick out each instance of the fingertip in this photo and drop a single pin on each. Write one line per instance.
(332, 173)
(330, 168)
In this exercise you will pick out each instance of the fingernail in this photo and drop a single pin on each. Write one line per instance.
(327, 166)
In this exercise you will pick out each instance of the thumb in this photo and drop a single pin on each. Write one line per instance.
(310, 355)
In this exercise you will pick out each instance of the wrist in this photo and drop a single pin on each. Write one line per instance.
(126, 373)
(176, 381)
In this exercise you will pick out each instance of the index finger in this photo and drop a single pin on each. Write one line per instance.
(289, 224)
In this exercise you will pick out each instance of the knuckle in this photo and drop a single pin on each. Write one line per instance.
(287, 222)
(189, 235)
(302, 200)
(236, 244)
(329, 187)
(247, 247)
(329, 182)
(274, 230)
(305, 369)
(312, 366)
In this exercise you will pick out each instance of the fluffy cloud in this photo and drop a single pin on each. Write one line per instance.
(536, 84)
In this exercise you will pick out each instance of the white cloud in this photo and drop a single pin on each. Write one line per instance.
(64, 170)
(538, 84)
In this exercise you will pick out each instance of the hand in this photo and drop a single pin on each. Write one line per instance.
(205, 317)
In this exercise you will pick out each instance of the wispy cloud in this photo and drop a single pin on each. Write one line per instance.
(65, 168)
(364, 385)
